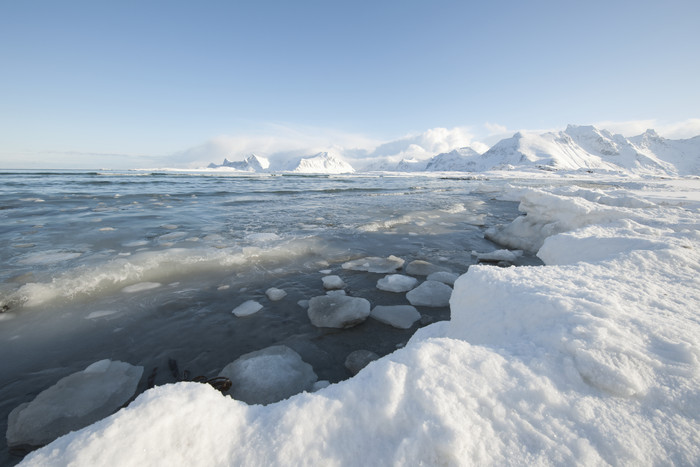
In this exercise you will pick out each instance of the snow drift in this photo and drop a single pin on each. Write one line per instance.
(591, 359)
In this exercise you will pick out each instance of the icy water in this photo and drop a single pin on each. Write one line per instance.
(147, 267)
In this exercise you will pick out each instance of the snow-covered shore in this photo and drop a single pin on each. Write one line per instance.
(593, 358)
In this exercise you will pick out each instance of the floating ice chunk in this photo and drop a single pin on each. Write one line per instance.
(337, 311)
(430, 293)
(336, 292)
(399, 316)
(396, 283)
(141, 286)
(423, 268)
(325, 271)
(136, 243)
(100, 314)
(268, 375)
(375, 264)
(74, 402)
(247, 308)
(499, 255)
(107, 229)
(448, 278)
(359, 359)
(169, 226)
(303, 303)
(332, 282)
(275, 294)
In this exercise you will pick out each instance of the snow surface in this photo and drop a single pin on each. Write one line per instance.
(591, 359)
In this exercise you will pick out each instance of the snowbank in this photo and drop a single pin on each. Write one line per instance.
(591, 359)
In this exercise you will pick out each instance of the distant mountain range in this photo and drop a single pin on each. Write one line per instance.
(577, 148)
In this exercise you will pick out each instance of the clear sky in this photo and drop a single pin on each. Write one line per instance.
(110, 82)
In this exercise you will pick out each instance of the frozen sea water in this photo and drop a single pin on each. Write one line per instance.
(156, 263)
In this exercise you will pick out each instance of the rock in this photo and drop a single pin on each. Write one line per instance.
(430, 293)
(399, 316)
(337, 311)
(268, 375)
(74, 402)
(359, 359)
(375, 264)
(396, 283)
(445, 277)
(423, 268)
(332, 282)
(247, 308)
(275, 294)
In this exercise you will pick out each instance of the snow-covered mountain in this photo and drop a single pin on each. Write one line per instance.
(460, 160)
(321, 163)
(252, 163)
(575, 148)
(588, 148)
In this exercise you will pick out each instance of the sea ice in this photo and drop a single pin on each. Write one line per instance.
(499, 255)
(359, 359)
(140, 287)
(73, 402)
(332, 282)
(448, 278)
(423, 268)
(399, 316)
(247, 308)
(396, 283)
(375, 264)
(430, 293)
(275, 294)
(268, 375)
(337, 311)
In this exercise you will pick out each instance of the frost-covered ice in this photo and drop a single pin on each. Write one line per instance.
(374, 264)
(359, 359)
(268, 375)
(424, 268)
(399, 316)
(499, 255)
(332, 282)
(337, 311)
(275, 294)
(445, 277)
(396, 283)
(247, 308)
(430, 293)
(592, 359)
(73, 402)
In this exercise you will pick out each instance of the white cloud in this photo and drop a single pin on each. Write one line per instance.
(672, 130)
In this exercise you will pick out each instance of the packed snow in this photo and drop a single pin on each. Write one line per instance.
(593, 358)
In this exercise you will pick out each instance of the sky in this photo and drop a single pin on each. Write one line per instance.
(134, 83)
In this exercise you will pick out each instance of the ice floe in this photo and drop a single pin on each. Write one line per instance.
(399, 316)
(396, 283)
(375, 264)
(430, 293)
(247, 308)
(337, 311)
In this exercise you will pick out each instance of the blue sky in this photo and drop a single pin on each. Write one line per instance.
(114, 83)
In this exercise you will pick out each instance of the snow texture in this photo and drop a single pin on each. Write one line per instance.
(592, 359)
(396, 283)
(268, 375)
(73, 402)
